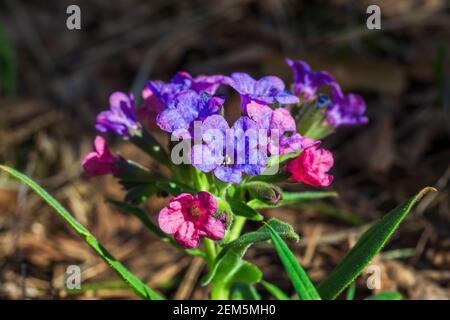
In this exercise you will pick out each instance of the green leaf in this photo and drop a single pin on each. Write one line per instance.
(238, 271)
(235, 250)
(241, 209)
(351, 291)
(290, 198)
(142, 216)
(137, 285)
(285, 230)
(243, 291)
(370, 243)
(387, 295)
(300, 280)
(274, 290)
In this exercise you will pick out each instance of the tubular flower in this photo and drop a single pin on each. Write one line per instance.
(306, 81)
(278, 121)
(121, 118)
(229, 152)
(267, 90)
(186, 108)
(101, 161)
(157, 95)
(345, 110)
(311, 167)
(189, 218)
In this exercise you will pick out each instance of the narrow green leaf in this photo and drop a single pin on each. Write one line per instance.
(351, 291)
(274, 290)
(387, 295)
(137, 285)
(241, 209)
(285, 230)
(300, 280)
(291, 198)
(370, 243)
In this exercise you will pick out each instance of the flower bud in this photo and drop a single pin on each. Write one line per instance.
(266, 192)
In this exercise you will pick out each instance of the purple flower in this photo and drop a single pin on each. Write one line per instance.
(121, 118)
(267, 90)
(281, 126)
(229, 152)
(306, 82)
(181, 82)
(345, 110)
(202, 83)
(187, 107)
(159, 96)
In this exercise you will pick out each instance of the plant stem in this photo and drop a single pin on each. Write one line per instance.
(210, 250)
(236, 229)
(220, 293)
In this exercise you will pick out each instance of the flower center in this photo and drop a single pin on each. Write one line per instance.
(195, 211)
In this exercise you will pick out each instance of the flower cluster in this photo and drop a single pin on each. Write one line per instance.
(275, 126)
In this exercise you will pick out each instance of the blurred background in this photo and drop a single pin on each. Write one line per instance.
(53, 81)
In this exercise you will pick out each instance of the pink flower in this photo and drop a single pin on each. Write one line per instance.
(190, 217)
(311, 167)
(101, 161)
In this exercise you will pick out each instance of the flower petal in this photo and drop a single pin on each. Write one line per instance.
(207, 201)
(228, 174)
(187, 235)
(213, 228)
(170, 220)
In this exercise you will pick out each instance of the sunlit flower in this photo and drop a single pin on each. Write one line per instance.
(121, 118)
(229, 152)
(186, 108)
(267, 90)
(345, 110)
(157, 95)
(279, 121)
(189, 218)
(311, 167)
(306, 81)
(101, 161)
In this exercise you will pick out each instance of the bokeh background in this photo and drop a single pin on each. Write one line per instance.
(54, 81)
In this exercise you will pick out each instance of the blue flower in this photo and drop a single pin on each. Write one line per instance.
(267, 90)
(185, 108)
(229, 152)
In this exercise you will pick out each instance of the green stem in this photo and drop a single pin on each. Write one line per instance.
(220, 292)
(210, 251)
(236, 229)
